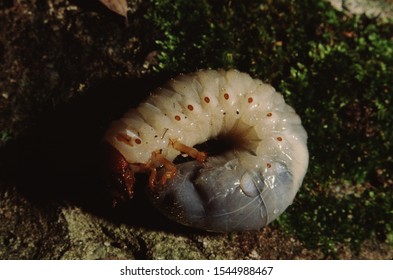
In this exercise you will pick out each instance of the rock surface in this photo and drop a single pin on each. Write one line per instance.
(371, 8)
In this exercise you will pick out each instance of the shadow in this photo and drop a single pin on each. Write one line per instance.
(58, 160)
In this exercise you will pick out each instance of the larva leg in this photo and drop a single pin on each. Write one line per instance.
(150, 167)
(152, 177)
(169, 166)
(147, 168)
(192, 152)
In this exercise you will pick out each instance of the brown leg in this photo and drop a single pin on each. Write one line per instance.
(192, 152)
(150, 167)
(158, 158)
(169, 166)
(152, 177)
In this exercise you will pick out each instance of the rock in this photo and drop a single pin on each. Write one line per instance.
(372, 9)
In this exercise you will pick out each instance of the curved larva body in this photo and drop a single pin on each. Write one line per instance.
(247, 186)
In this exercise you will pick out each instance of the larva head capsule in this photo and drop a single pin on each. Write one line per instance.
(118, 176)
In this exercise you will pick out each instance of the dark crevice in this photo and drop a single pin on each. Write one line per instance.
(57, 161)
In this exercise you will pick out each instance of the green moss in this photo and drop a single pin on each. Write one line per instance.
(335, 70)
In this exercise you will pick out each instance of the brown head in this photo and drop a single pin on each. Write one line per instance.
(119, 178)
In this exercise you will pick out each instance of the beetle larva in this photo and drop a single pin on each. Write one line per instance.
(244, 187)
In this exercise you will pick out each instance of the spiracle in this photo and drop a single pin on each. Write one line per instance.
(244, 186)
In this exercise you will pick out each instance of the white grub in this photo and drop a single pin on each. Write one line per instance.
(269, 156)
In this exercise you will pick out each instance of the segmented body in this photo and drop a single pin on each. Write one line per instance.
(243, 188)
